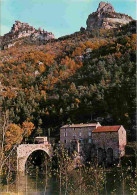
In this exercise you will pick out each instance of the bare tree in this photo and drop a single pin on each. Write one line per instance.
(4, 120)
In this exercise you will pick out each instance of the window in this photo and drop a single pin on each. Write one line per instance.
(74, 135)
(65, 141)
(89, 141)
(89, 133)
(65, 133)
(80, 140)
(80, 134)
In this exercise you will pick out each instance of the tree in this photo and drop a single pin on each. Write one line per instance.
(4, 119)
(13, 135)
(27, 128)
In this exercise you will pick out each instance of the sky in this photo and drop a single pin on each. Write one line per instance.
(61, 17)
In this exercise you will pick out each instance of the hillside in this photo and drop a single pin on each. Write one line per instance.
(79, 78)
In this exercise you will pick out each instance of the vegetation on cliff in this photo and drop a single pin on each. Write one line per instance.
(83, 77)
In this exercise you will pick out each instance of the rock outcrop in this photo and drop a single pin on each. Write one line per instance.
(106, 17)
(105, 7)
(21, 30)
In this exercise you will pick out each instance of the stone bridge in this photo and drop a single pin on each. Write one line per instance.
(25, 150)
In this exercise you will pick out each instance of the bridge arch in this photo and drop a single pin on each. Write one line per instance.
(25, 150)
(37, 158)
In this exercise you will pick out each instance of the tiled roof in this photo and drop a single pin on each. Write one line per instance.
(106, 129)
(81, 125)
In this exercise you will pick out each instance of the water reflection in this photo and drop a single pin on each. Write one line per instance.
(38, 182)
(31, 184)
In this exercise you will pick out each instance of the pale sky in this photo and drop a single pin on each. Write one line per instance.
(61, 17)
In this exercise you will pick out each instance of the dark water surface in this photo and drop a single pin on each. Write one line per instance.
(39, 183)
(31, 184)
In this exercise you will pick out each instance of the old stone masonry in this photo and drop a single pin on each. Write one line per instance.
(104, 143)
(25, 150)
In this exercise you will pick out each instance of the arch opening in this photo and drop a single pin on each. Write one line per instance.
(39, 160)
(109, 156)
(101, 156)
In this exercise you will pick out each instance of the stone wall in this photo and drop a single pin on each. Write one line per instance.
(106, 140)
(122, 140)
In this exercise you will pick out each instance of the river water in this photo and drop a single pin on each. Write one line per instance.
(39, 183)
(31, 184)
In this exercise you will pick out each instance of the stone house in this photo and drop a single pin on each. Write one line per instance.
(110, 142)
(72, 136)
(106, 144)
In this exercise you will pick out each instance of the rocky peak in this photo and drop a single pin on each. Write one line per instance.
(21, 30)
(19, 26)
(105, 7)
(106, 17)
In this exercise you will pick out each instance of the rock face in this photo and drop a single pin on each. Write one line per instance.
(105, 7)
(106, 17)
(21, 30)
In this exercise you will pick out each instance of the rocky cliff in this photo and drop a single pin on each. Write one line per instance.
(21, 30)
(106, 17)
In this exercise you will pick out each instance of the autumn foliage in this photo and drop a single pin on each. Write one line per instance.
(15, 134)
(71, 80)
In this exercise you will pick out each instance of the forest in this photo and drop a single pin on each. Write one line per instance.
(80, 78)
